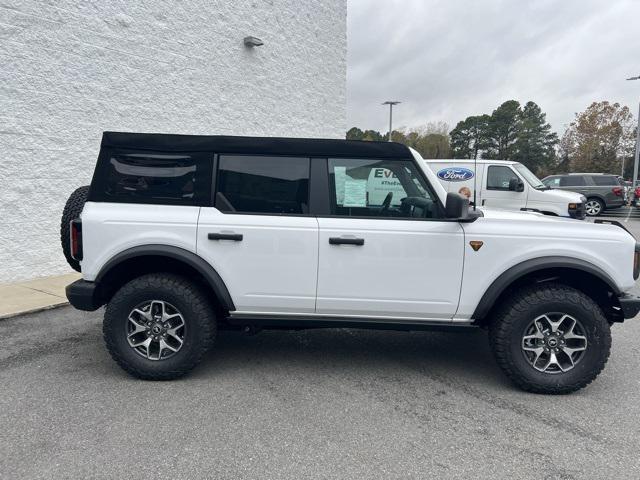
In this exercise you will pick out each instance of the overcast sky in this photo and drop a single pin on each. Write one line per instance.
(448, 59)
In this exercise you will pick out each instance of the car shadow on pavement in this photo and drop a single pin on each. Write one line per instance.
(451, 358)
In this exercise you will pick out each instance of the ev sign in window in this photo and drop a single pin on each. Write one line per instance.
(378, 188)
(361, 185)
(352, 190)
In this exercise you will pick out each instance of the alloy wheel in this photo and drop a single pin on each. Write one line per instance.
(155, 330)
(593, 207)
(554, 343)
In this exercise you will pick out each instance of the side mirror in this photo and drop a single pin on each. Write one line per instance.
(456, 206)
(516, 185)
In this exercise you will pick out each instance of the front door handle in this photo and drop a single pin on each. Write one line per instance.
(236, 237)
(346, 241)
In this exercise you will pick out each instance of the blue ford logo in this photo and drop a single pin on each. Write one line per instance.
(455, 174)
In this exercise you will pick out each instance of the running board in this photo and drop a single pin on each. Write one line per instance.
(296, 322)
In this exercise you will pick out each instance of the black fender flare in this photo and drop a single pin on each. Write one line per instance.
(189, 258)
(519, 270)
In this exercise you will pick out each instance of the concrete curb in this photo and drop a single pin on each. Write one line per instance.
(34, 295)
(6, 316)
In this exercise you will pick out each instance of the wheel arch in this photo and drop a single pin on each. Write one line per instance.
(573, 272)
(137, 261)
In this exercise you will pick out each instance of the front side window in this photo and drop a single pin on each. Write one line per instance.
(379, 188)
(263, 184)
(552, 182)
(143, 177)
(499, 176)
(572, 181)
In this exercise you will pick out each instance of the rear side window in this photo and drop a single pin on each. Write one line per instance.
(605, 180)
(572, 181)
(263, 184)
(158, 178)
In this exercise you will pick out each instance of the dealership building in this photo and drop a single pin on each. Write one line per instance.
(73, 69)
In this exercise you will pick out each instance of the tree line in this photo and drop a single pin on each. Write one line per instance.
(599, 139)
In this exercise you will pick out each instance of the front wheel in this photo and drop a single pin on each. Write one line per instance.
(159, 326)
(550, 339)
(594, 207)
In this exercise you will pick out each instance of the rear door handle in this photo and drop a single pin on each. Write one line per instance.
(236, 237)
(346, 241)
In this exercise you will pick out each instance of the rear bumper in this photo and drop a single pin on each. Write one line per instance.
(629, 304)
(84, 295)
(615, 202)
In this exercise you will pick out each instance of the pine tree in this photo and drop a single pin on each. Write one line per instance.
(535, 142)
(503, 131)
(470, 136)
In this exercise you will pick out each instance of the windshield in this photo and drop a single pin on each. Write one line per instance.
(529, 176)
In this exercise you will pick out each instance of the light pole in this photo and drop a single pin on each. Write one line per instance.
(635, 164)
(391, 103)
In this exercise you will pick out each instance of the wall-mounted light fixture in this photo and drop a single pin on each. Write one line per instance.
(252, 42)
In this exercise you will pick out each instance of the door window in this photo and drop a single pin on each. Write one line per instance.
(498, 177)
(572, 181)
(263, 184)
(553, 182)
(379, 188)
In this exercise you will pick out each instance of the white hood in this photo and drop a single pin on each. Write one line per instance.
(500, 214)
(558, 196)
(549, 226)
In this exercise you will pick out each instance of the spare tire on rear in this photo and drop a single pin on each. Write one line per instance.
(72, 209)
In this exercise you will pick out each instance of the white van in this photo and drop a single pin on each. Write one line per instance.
(506, 185)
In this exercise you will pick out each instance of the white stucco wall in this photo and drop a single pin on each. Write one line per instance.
(74, 68)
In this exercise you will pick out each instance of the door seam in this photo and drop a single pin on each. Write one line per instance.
(315, 305)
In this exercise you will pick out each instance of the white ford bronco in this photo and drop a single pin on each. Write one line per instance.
(181, 236)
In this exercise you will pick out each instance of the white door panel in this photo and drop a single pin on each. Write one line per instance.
(405, 268)
(273, 269)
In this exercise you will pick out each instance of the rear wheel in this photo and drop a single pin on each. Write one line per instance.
(72, 210)
(550, 339)
(594, 207)
(159, 326)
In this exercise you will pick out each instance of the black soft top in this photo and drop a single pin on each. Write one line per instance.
(308, 147)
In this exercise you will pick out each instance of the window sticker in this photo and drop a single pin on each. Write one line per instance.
(355, 193)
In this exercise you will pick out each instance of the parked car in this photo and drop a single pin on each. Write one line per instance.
(182, 236)
(506, 185)
(601, 190)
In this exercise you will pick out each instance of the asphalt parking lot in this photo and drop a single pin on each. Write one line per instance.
(314, 404)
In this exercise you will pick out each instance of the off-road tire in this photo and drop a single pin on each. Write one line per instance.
(507, 328)
(72, 210)
(188, 298)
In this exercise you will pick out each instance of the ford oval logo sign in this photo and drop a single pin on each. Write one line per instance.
(455, 174)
